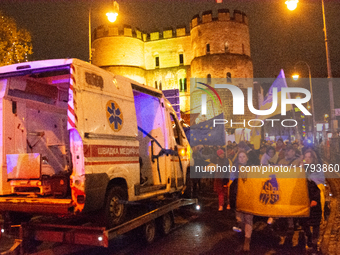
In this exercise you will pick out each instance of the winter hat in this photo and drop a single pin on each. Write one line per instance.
(220, 152)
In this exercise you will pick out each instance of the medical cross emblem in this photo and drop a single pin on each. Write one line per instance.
(114, 115)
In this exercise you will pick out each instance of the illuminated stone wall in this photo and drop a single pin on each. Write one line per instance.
(132, 53)
(168, 51)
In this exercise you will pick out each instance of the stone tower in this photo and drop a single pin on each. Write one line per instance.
(221, 49)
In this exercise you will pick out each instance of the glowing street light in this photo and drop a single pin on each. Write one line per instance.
(112, 16)
(325, 117)
(295, 77)
(291, 4)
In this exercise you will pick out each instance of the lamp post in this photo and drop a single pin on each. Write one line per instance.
(290, 5)
(111, 16)
(295, 77)
(329, 72)
(90, 39)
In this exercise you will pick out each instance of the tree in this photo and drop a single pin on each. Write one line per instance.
(15, 43)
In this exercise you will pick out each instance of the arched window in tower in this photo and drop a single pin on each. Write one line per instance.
(181, 59)
(157, 61)
(208, 48)
(209, 78)
(243, 48)
(226, 47)
(228, 77)
(183, 85)
(160, 85)
(182, 81)
(156, 86)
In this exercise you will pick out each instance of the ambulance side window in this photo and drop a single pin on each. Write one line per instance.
(175, 128)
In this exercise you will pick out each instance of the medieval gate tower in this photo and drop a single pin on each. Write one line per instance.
(216, 47)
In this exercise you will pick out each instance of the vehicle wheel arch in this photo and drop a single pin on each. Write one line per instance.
(119, 181)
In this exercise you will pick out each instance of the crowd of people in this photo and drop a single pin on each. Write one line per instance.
(279, 152)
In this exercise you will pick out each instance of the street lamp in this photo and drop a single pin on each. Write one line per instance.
(112, 16)
(291, 3)
(295, 77)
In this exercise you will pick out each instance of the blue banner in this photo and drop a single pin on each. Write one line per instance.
(205, 133)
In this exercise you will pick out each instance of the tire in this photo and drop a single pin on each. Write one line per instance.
(165, 223)
(114, 210)
(149, 231)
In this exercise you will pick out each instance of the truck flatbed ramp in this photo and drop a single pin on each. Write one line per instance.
(29, 205)
(92, 235)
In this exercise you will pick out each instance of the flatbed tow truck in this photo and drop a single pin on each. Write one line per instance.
(66, 231)
(78, 142)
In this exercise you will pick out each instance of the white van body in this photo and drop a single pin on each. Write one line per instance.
(67, 117)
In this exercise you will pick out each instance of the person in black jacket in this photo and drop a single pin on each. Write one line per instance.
(314, 219)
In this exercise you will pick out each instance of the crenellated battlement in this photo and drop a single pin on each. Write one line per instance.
(222, 15)
(128, 31)
(166, 33)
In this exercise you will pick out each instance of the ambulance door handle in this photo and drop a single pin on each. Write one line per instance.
(176, 150)
(14, 107)
(153, 157)
(179, 158)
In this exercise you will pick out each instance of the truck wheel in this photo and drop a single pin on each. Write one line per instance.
(115, 210)
(165, 223)
(149, 231)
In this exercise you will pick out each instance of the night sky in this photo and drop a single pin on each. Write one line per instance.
(279, 38)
